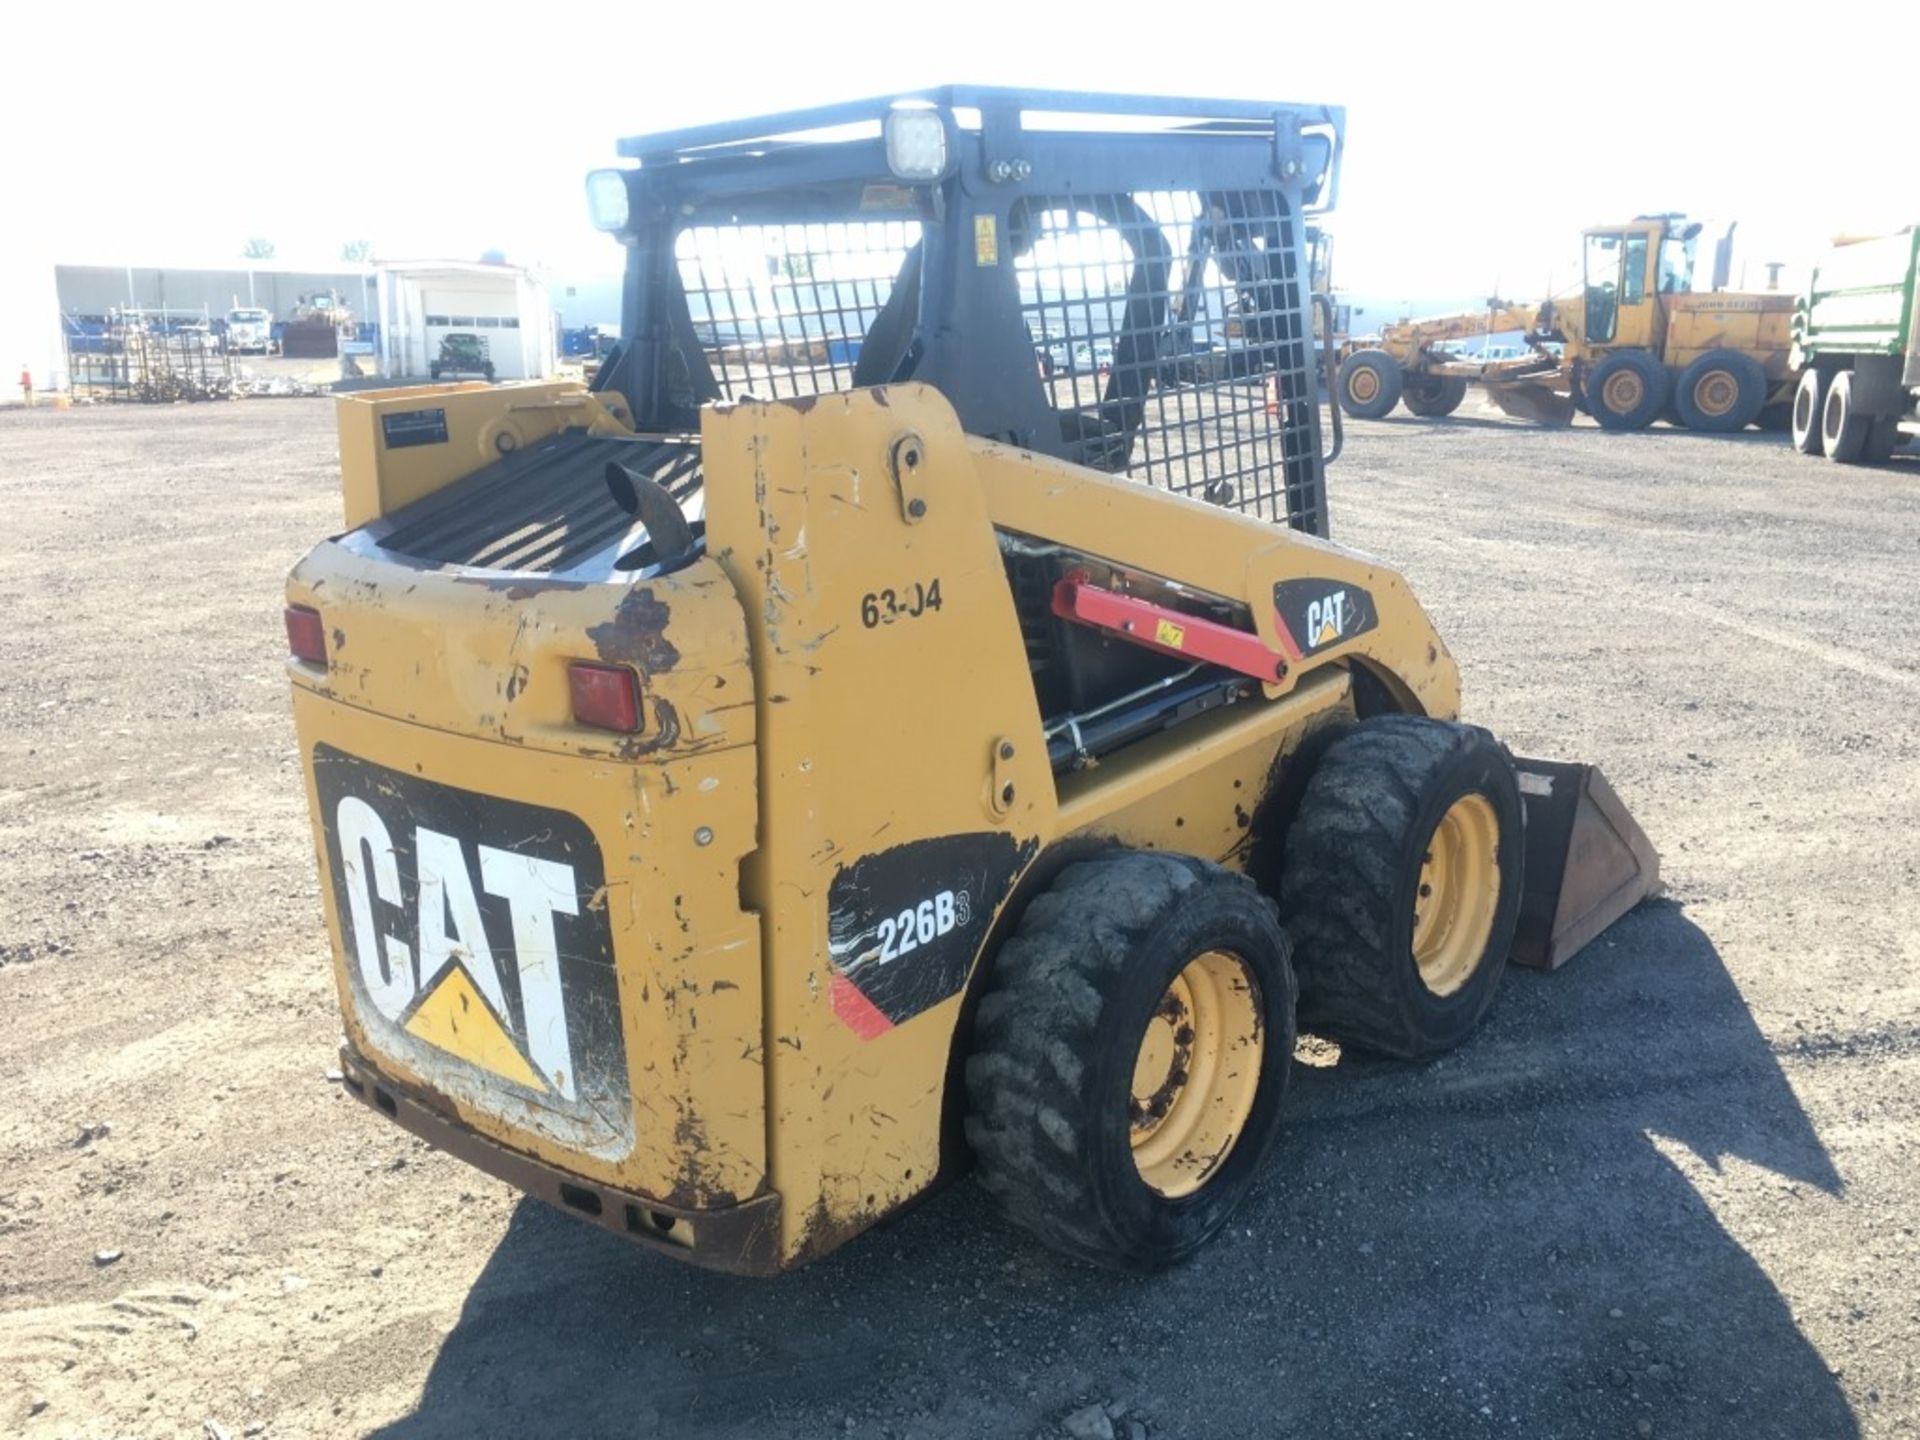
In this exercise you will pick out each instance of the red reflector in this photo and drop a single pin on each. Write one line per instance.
(605, 696)
(306, 636)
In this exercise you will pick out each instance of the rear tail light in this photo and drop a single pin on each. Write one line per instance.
(605, 696)
(306, 636)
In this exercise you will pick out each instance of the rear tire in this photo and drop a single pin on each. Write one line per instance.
(1371, 383)
(1401, 884)
(1075, 1013)
(1720, 392)
(1432, 397)
(1809, 400)
(1843, 429)
(1627, 390)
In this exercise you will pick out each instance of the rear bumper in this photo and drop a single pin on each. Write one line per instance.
(741, 1239)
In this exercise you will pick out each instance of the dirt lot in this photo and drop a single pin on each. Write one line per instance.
(1669, 1191)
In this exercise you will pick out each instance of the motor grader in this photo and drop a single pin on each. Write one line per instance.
(839, 750)
(1635, 344)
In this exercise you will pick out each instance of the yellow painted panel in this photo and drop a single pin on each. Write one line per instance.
(480, 422)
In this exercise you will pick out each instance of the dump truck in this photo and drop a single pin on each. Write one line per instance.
(1637, 343)
(831, 755)
(1856, 347)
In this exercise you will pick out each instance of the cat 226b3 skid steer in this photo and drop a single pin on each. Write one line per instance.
(906, 715)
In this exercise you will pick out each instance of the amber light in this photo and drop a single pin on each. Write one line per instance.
(604, 696)
(306, 636)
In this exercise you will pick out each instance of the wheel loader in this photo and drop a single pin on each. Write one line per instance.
(1636, 344)
(842, 749)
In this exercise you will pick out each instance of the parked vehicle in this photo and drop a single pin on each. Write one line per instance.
(462, 354)
(748, 795)
(1640, 342)
(1856, 344)
(249, 330)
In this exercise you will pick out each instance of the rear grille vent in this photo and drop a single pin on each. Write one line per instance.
(539, 510)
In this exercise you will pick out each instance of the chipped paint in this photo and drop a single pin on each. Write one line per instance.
(637, 634)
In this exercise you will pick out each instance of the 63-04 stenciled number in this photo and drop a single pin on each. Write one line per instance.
(883, 607)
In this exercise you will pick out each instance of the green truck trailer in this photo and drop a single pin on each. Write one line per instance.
(1856, 344)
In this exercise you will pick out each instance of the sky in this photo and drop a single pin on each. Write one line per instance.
(1480, 137)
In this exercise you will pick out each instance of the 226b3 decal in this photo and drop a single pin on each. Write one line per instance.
(904, 924)
(477, 946)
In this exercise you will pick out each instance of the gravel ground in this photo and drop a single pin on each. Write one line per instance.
(1668, 1191)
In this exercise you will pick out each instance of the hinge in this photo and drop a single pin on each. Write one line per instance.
(908, 462)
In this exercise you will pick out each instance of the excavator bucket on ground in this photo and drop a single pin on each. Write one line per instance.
(1587, 861)
(1531, 399)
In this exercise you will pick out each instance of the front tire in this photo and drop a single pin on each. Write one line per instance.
(1627, 390)
(1809, 400)
(1401, 884)
(1130, 1057)
(1432, 397)
(1371, 383)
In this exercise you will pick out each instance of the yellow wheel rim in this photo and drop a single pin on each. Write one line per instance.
(1196, 1074)
(1363, 384)
(1623, 391)
(1715, 393)
(1458, 893)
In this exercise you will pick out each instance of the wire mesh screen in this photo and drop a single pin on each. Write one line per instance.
(1170, 333)
(786, 310)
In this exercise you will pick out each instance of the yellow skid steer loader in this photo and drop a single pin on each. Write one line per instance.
(906, 716)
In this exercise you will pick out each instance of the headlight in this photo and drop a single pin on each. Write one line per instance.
(916, 143)
(607, 199)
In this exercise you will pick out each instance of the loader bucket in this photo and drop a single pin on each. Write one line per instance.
(1531, 400)
(1587, 861)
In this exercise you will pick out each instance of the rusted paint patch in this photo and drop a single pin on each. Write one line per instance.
(823, 1231)
(692, 1189)
(1146, 1111)
(666, 730)
(637, 634)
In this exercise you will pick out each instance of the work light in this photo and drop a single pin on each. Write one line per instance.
(607, 199)
(916, 143)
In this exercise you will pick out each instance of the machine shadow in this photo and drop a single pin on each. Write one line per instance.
(1506, 1235)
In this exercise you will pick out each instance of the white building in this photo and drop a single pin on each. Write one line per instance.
(421, 302)
(209, 289)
